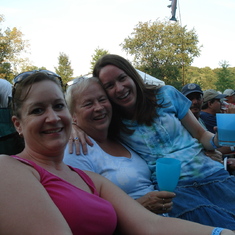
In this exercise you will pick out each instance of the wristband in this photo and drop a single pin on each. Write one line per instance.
(217, 231)
(213, 143)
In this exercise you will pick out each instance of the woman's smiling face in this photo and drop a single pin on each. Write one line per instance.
(92, 111)
(45, 119)
(119, 86)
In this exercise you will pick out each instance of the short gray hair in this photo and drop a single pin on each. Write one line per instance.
(78, 85)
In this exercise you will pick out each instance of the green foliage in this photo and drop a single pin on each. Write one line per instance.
(225, 79)
(98, 53)
(218, 78)
(205, 77)
(232, 71)
(64, 68)
(12, 46)
(163, 49)
(6, 71)
(32, 67)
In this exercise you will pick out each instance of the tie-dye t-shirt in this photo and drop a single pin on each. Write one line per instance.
(167, 137)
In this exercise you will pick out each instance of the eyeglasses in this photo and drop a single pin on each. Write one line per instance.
(24, 75)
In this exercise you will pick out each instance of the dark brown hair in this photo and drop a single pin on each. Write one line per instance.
(145, 111)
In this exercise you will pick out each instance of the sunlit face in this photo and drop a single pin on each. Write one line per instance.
(93, 111)
(45, 120)
(119, 86)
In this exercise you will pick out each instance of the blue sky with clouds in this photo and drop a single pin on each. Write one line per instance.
(78, 27)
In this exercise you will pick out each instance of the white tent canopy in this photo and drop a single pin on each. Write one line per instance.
(148, 79)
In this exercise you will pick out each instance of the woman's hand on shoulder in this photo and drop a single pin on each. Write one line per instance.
(80, 139)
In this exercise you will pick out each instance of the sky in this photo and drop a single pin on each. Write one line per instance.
(78, 27)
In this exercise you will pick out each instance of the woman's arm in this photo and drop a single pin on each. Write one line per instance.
(197, 131)
(26, 207)
(135, 219)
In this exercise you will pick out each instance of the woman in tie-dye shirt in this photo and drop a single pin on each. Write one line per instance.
(157, 122)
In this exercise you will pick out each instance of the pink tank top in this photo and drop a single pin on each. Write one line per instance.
(86, 213)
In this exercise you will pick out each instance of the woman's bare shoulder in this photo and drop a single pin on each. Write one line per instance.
(6, 159)
(8, 164)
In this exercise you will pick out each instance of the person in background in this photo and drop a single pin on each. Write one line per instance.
(230, 108)
(42, 195)
(5, 93)
(10, 141)
(230, 96)
(92, 112)
(195, 94)
(211, 105)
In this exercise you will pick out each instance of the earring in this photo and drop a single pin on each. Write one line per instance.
(20, 134)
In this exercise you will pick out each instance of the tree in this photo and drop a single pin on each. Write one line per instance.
(207, 78)
(224, 77)
(6, 71)
(12, 46)
(95, 57)
(32, 67)
(64, 68)
(163, 49)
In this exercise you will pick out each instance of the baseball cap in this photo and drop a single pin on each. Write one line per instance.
(229, 92)
(190, 88)
(212, 94)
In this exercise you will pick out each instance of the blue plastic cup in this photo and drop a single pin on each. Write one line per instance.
(168, 173)
(226, 129)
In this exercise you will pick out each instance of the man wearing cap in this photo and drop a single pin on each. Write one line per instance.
(211, 105)
(194, 93)
(230, 96)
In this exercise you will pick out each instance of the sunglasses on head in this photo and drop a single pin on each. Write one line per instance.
(74, 81)
(24, 75)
